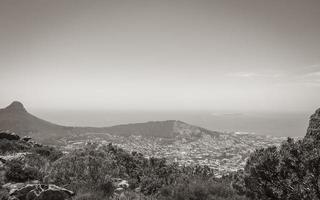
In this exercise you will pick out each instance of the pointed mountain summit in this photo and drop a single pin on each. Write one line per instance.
(16, 106)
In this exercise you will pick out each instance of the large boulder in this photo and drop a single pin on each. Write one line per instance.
(38, 192)
(313, 131)
(8, 135)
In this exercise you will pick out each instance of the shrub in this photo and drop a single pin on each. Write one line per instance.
(90, 171)
(289, 172)
(87, 168)
(50, 153)
(89, 195)
(4, 194)
(200, 189)
(13, 146)
(18, 172)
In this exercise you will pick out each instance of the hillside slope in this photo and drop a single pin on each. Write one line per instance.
(17, 119)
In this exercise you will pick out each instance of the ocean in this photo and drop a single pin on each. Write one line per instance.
(273, 123)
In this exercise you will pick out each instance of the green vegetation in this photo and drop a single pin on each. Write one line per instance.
(291, 171)
(90, 170)
(18, 171)
(13, 146)
(200, 189)
(93, 172)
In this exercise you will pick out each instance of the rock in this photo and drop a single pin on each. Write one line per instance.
(123, 184)
(118, 190)
(12, 187)
(313, 131)
(2, 160)
(37, 145)
(14, 156)
(120, 184)
(26, 138)
(138, 189)
(49, 192)
(23, 191)
(8, 135)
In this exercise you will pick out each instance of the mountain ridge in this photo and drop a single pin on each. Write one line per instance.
(16, 118)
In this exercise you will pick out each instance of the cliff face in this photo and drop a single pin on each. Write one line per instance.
(314, 126)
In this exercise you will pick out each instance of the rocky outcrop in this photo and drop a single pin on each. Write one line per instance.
(8, 135)
(37, 192)
(26, 138)
(313, 131)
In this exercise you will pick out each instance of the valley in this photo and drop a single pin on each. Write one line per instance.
(224, 152)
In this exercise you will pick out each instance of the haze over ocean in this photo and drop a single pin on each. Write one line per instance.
(273, 123)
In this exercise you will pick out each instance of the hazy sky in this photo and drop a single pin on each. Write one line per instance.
(161, 54)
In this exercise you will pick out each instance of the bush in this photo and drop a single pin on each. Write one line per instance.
(90, 172)
(199, 189)
(18, 172)
(89, 195)
(13, 146)
(4, 194)
(289, 172)
(50, 153)
(87, 168)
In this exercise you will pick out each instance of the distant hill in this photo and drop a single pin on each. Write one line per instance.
(161, 129)
(17, 119)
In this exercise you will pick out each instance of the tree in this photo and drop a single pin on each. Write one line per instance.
(291, 171)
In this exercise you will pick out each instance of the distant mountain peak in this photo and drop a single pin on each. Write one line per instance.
(16, 106)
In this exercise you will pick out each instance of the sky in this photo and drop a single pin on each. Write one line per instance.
(241, 55)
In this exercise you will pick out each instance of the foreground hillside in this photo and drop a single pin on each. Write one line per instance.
(32, 171)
